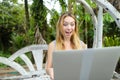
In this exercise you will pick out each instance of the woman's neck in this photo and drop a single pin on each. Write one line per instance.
(67, 45)
(66, 39)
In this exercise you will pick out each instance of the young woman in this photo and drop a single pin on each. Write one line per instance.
(67, 38)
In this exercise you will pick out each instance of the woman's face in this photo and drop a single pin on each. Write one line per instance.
(68, 27)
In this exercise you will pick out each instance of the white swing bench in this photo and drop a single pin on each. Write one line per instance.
(33, 73)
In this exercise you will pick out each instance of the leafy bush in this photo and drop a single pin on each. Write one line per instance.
(17, 41)
(112, 41)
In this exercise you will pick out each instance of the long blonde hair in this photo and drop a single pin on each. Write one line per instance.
(75, 40)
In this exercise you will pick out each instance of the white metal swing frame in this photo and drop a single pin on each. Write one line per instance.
(97, 43)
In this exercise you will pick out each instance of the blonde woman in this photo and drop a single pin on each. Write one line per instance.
(67, 38)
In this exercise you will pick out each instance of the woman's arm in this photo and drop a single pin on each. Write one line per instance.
(49, 65)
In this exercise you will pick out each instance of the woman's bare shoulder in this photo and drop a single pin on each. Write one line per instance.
(51, 46)
(52, 43)
(84, 46)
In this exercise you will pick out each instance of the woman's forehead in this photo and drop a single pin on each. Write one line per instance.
(69, 19)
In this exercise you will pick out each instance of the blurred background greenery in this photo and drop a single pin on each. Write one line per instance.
(18, 23)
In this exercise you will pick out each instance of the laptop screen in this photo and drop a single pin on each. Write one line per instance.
(90, 64)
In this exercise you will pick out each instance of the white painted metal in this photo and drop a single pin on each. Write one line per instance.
(32, 73)
(98, 31)
(27, 61)
(13, 65)
(38, 57)
(100, 27)
(94, 19)
(97, 42)
(109, 8)
(27, 49)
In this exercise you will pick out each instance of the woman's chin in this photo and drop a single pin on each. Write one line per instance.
(68, 36)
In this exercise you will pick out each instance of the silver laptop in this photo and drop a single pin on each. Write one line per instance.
(90, 64)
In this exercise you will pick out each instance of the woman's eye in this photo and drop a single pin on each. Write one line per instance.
(65, 24)
(72, 24)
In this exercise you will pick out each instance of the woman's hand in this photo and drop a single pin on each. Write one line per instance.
(50, 73)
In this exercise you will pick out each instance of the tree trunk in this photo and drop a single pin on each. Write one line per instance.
(27, 14)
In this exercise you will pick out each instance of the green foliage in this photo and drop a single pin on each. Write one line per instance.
(10, 20)
(112, 41)
(17, 60)
(63, 5)
(110, 28)
(10, 14)
(91, 3)
(39, 13)
(20, 40)
(111, 32)
(20, 61)
(3, 65)
(52, 25)
(13, 33)
(12, 23)
(17, 41)
(3, 54)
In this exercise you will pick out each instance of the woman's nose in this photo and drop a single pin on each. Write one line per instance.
(69, 26)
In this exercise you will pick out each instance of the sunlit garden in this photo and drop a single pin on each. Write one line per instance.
(27, 22)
